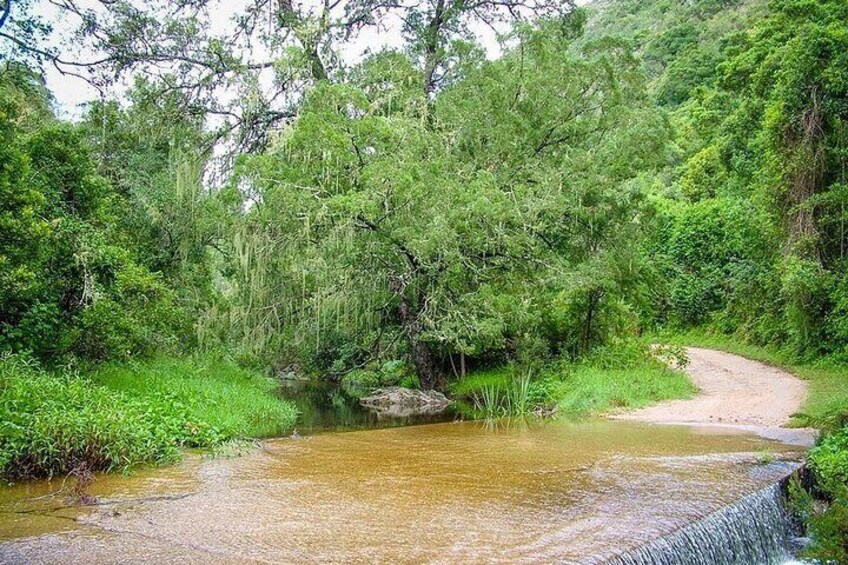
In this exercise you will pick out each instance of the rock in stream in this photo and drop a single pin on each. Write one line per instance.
(402, 402)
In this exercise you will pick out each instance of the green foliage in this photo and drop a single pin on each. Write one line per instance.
(624, 376)
(71, 285)
(828, 524)
(53, 423)
(502, 218)
(123, 416)
(829, 462)
(394, 372)
(216, 400)
(499, 393)
(619, 376)
(751, 237)
(713, 253)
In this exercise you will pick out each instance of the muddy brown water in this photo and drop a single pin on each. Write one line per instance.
(467, 492)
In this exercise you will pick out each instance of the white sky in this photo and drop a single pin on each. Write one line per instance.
(72, 93)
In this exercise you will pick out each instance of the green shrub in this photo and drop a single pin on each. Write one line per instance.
(138, 316)
(53, 423)
(826, 520)
(394, 372)
(829, 462)
(217, 399)
(125, 415)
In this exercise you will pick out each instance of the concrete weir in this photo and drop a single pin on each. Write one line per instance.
(755, 530)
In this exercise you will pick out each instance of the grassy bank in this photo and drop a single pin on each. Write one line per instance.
(826, 406)
(593, 389)
(625, 376)
(126, 415)
(216, 398)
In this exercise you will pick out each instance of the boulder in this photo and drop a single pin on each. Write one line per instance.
(399, 402)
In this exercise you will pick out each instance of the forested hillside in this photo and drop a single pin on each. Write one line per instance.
(424, 216)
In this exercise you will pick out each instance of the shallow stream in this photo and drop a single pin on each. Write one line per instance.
(455, 492)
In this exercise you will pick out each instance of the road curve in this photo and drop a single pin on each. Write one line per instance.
(732, 390)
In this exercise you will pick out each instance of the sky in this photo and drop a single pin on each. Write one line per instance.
(73, 93)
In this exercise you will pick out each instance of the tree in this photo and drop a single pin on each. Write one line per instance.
(251, 76)
(70, 282)
(456, 235)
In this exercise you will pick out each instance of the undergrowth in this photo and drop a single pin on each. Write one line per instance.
(123, 416)
(215, 399)
(622, 376)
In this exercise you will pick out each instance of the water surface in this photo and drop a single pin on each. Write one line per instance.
(325, 406)
(466, 492)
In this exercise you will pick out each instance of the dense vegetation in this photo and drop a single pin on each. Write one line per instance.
(87, 277)
(61, 422)
(505, 229)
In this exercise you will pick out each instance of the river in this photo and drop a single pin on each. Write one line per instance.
(451, 492)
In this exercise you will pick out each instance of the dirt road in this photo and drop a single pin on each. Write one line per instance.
(732, 390)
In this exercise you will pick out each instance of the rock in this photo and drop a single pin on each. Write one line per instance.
(291, 373)
(797, 544)
(399, 402)
(545, 411)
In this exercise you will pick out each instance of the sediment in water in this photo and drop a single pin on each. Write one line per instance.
(753, 531)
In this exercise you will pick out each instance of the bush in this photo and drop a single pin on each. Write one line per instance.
(137, 316)
(829, 462)
(53, 423)
(827, 523)
(125, 415)
(715, 247)
(390, 373)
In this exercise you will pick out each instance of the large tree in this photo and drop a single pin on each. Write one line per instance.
(376, 226)
(252, 69)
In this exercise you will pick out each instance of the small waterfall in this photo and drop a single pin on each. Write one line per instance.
(753, 531)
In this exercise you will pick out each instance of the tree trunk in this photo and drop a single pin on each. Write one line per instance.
(592, 304)
(319, 71)
(422, 357)
(805, 178)
(432, 43)
(423, 360)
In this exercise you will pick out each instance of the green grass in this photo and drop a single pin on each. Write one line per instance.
(53, 423)
(499, 392)
(621, 376)
(210, 394)
(826, 406)
(592, 389)
(126, 415)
